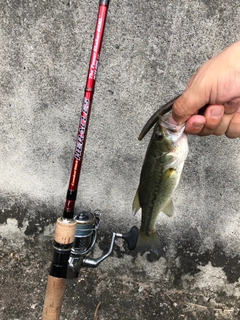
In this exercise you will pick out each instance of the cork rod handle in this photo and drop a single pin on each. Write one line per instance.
(53, 298)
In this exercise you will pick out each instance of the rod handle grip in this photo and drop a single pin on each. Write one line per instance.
(53, 298)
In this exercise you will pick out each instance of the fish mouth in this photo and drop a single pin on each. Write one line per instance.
(170, 124)
(172, 130)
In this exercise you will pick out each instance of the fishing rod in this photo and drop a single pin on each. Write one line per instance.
(75, 233)
(66, 225)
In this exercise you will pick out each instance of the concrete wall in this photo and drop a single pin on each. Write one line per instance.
(150, 50)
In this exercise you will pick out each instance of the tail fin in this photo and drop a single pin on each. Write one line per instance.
(149, 243)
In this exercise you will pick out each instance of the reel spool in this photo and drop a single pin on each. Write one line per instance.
(86, 232)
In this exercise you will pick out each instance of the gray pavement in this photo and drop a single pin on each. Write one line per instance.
(150, 50)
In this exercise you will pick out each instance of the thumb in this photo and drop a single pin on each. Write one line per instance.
(187, 105)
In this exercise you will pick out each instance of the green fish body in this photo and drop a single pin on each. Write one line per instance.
(160, 175)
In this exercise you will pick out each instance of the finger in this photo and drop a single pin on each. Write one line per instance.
(231, 106)
(224, 124)
(207, 123)
(233, 130)
(213, 115)
(194, 124)
(186, 105)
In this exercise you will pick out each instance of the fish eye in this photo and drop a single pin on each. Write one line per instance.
(159, 135)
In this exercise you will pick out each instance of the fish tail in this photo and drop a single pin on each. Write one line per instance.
(149, 242)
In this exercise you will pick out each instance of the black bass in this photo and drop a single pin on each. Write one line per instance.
(160, 175)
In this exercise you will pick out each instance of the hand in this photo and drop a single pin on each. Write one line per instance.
(211, 102)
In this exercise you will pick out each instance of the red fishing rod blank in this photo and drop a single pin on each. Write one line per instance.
(86, 110)
(66, 225)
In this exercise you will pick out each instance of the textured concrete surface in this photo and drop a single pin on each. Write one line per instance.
(150, 50)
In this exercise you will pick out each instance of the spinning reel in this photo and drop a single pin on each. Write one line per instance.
(88, 224)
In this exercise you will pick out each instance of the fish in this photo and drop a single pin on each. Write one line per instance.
(160, 175)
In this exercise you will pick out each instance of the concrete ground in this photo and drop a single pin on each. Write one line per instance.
(123, 287)
(150, 50)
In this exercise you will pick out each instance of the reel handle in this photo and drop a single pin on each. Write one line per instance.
(131, 237)
(76, 262)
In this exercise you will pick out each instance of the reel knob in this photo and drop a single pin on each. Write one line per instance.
(131, 237)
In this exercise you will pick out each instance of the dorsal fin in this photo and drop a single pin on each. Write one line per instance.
(153, 119)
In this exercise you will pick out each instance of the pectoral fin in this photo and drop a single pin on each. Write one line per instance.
(136, 204)
(169, 208)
